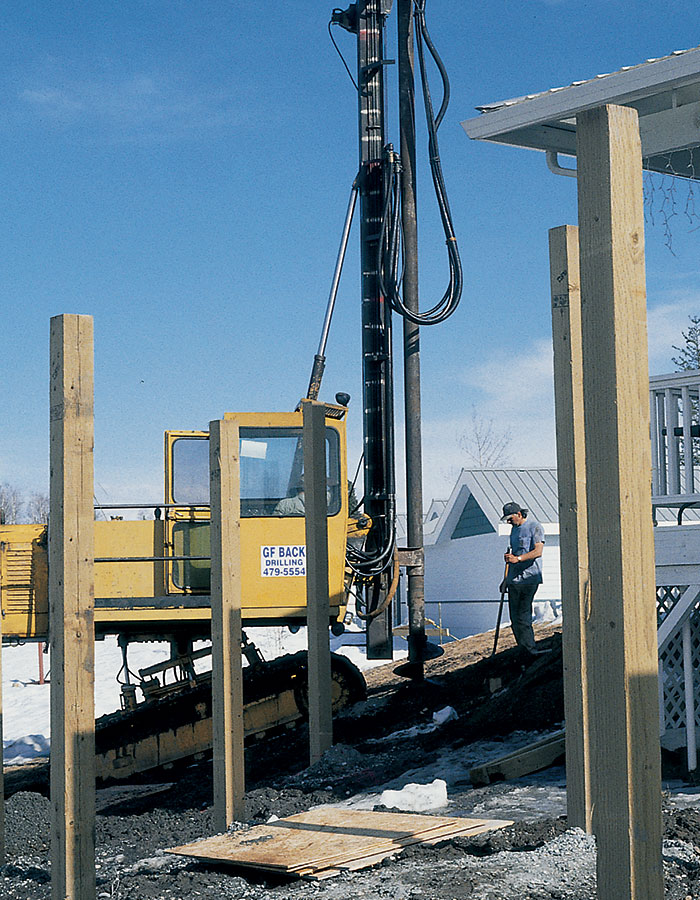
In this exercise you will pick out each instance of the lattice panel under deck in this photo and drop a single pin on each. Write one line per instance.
(672, 661)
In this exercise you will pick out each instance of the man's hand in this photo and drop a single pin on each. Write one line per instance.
(511, 558)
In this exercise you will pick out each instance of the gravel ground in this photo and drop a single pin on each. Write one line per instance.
(537, 858)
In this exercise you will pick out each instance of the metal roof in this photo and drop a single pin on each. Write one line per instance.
(665, 91)
(534, 489)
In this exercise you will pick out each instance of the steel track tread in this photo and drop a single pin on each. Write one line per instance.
(192, 704)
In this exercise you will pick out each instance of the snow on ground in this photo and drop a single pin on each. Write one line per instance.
(26, 720)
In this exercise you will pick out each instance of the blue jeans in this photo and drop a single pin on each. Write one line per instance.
(520, 597)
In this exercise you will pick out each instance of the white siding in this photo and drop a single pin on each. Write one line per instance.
(471, 569)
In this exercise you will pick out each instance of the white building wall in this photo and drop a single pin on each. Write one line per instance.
(459, 572)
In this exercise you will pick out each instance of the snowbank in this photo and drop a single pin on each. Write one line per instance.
(26, 703)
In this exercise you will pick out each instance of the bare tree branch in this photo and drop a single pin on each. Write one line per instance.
(11, 502)
(37, 508)
(689, 355)
(485, 443)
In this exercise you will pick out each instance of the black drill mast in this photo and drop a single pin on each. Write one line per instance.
(366, 19)
(389, 261)
(377, 366)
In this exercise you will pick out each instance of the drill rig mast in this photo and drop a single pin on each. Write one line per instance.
(388, 238)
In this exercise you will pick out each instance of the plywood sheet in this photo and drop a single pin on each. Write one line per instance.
(322, 842)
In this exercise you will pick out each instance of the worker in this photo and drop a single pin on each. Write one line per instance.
(524, 573)
(294, 505)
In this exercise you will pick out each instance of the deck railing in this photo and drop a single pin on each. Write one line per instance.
(675, 438)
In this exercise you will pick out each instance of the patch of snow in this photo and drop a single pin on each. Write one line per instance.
(439, 718)
(417, 797)
(520, 802)
(154, 864)
(546, 612)
(446, 714)
(525, 799)
(25, 748)
(680, 852)
(681, 796)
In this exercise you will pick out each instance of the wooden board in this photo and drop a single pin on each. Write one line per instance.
(528, 759)
(620, 620)
(72, 608)
(320, 693)
(573, 515)
(323, 842)
(227, 672)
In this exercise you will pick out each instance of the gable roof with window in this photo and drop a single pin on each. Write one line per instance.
(476, 503)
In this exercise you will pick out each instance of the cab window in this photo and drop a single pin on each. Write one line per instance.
(271, 462)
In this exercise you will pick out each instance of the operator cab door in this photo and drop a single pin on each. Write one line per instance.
(187, 531)
(272, 512)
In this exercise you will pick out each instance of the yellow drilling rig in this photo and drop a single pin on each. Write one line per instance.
(152, 577)
(152, 580)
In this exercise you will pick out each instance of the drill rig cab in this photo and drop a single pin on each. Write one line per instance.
(152, 576)
(152, 583)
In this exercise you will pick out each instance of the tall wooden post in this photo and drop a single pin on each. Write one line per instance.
(71, 609)
(573, 520)
(317, 598)
(227, 671)
(2, 764)
(621, 638)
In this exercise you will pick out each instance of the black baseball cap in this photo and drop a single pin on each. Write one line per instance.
(510, 509)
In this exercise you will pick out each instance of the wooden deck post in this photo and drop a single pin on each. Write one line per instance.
(227, 671)
(573, 533)
(621, 613)
(71, 606)
(317, 598)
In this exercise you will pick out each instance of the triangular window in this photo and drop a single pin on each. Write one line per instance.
(472, 521)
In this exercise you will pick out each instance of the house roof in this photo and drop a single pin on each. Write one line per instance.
(430, 520)
(665, 91)
(534, 489)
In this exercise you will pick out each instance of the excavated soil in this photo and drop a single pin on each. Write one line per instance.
(536, 858)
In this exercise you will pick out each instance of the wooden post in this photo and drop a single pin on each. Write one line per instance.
(573, 535)
(317, 598)
(71, 607)
(2, 764)
(227, 671)
(621, 628)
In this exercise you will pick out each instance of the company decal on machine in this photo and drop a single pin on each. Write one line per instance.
(282, 560)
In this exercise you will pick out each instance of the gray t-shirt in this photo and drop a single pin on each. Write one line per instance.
(522, 540)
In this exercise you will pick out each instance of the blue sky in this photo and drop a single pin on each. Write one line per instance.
(180, 171)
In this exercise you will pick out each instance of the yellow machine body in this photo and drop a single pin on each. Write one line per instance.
(142, 583)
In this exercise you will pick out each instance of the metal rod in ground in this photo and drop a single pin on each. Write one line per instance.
(500, 610)
(411, 333)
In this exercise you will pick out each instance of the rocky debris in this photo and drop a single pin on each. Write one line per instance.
(388, 740)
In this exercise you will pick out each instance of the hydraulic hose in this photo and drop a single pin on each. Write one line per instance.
(390, 253)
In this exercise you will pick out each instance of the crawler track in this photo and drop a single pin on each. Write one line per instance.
(158, 733)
